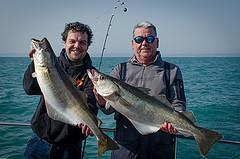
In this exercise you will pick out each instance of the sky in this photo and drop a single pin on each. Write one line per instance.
(184, 27)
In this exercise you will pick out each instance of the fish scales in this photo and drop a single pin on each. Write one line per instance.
(147, 113)
(62, 99)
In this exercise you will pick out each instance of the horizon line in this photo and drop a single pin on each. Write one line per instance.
(131, 56)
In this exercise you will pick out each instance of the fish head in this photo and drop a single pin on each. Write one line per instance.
(43, 52)
(103, 83)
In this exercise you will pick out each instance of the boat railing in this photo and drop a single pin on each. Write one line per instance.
(226, 141)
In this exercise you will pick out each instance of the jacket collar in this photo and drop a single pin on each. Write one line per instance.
(66, 63)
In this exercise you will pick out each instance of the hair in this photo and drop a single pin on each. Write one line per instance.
(145, 24)
(77, 27)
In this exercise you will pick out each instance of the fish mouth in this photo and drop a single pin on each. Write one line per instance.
(92, 75)
(95, 77)
(36, 44)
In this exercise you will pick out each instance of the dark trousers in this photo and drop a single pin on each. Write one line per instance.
(38, 148)
(161, 153)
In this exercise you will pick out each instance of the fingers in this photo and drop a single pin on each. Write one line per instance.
(94, 91)
(85, 129)
(101, 101)
(30, 54)
(168, 128)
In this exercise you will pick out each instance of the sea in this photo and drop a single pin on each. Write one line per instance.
(212, 88)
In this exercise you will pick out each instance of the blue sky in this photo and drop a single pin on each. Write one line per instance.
(185, 27)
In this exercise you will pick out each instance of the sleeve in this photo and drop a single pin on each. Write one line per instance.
(116, 71)
(177, 91)
(30, 84)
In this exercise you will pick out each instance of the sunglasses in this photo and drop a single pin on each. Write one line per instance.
(149, 39)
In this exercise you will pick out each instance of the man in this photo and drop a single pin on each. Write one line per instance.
(51, 138)
(147, 69)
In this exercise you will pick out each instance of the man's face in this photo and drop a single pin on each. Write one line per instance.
(76, 45)
(145, 52)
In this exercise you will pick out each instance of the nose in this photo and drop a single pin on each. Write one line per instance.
(144, 42)
(77, 44)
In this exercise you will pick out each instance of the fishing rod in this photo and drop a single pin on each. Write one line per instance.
(108, 29)
(113, 130)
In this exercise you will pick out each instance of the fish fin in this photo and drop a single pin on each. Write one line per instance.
(205, 139)
(144, 90)
(107, 105)
(108, 144)
(34, 75)
(189, 115)
(143, 128)
(99, 122)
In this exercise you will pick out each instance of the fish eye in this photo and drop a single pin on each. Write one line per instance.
(101, 77)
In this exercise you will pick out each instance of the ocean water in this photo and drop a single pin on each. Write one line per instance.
(212, 87)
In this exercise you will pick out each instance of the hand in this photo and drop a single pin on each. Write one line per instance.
(85, 129)
(168, 128)
(30, 54)
(101, 101)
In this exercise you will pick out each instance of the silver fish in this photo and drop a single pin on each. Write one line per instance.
(63, 101)
(147, 113)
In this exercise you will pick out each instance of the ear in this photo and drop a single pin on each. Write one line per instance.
(132, 43)
(64, 44)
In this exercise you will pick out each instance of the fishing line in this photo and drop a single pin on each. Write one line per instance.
(118, 3)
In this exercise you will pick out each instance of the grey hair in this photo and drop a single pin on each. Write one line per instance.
(145, 24)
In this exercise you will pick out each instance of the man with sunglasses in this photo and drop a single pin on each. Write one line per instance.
(147, 69)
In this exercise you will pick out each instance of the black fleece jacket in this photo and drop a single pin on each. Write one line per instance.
(53, 131)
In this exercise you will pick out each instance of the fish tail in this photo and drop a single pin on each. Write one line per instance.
(108, 144)
(205, 139)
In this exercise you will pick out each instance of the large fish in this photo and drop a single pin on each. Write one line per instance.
(147, 113)
(63, 101)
